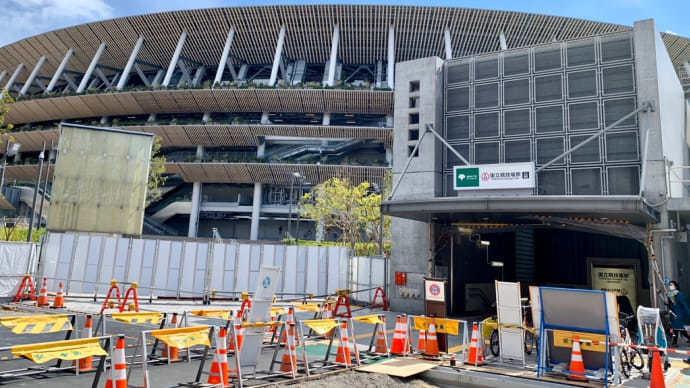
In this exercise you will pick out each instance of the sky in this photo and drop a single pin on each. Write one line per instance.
(23, 18)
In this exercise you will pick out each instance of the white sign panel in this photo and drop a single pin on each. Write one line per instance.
(494, 176)
(435, 290)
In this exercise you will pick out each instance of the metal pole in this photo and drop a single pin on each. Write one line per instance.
(38, 184)
(298, 215)
(407, 165)
(430, 128)
(289, 231)
(45, 186)
(4, 164)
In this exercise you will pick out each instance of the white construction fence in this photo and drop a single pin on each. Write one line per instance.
(16, 260)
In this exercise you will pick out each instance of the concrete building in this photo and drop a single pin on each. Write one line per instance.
(599, 126)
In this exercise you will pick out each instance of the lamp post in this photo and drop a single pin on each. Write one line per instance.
(299, 216)
(8, 151)
(45, 186)
(292, 186)
(41, 156)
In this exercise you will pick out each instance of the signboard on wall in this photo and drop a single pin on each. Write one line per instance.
(494, 176)
(435, 290)
(620, 281)
(100, 180)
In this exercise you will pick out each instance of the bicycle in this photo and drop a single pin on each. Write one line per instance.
(530, 340)
(630, 357)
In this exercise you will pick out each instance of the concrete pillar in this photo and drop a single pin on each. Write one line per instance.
(152, 118)
(130, 63)
(196, 200)
(104, 120)
(157, 78)
(448, 44)
(91, 68)
(389, 121)
(390, 73)
(334, 56)
(58, 72)
(276, 57)
(174, 59)
(256, 202)
(224, 57)
(14, 76)
(264, 118)
(206, 117)
(502, 41)
(326, 119)
(34, 73)
(389, 156)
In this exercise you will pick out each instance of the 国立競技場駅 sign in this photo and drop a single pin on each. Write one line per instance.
(494, 176)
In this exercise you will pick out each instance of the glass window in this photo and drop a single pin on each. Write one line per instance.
(453, 160)
(414, 118)
(458, 99)
(582, 84)
(549, 119)
(547, 58)
(486, 68)
(583, 116)
(410, 149)
(414, 86)
(616, 48)
(414, 102)
(588, 153)
(586, 181)
(457, 72)
(624, 180)
(516, 122)
(486, 124)
(413, 134)
(621, 146)
(486, 96)
(549, 148)
(515, 64)
(548, 88)
(516, 92)
(580, 53)
(450, 186)
(618, 79)
(486, 153)
(615, 110)
(551, 182)
(517, 151)
(457, 127)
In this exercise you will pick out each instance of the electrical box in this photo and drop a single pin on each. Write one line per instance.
(400, 279)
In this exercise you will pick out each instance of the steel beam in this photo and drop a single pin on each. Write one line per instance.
(174, 59)
(130, 63)
(390, 73)
(34, 72)
(91, 68)
(224, 57)
(448, 43)
(334, 55)
(276, 58)
(59, 71)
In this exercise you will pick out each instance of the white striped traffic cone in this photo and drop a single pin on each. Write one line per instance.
(43, 294)
(117, 378)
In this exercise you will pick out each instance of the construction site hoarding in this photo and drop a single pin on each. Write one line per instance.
(100, 180)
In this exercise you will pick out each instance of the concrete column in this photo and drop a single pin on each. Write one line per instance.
(130, 63)
(14, 76)
(448, 44)
(196, 200)
(389, 121)
(224, 57)
(104, 120)
(34, 73)
(152, 118)
(206, 117)
(389, 156)
(256, 202)
(91, 68)
(265, 119)
(326, 119)
(334, 55)
(157, 78)
(174, 59)
(58, 72)
(390, 73)
(502, 41)
(2, 75)
(276, 57)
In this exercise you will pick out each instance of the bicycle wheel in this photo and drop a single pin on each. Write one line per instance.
(530, 342)
(494, 345)
(625, 363)
(635, 358)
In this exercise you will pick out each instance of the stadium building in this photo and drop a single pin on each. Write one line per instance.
(254, 105)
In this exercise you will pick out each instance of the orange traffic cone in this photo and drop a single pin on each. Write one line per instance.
(431, 348)
(343, 354)
(86, 363)
(421, 341)
(289, 361)
(171, 352)
(117, 378)
(59, 301)
(398, 345)
(656, 378)
(405, 332)
(381, 346)
(290, 318)
(43, 294)
(219, 368)
(476, 356)
(576, 370)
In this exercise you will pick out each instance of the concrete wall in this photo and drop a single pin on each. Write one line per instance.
(410, 239)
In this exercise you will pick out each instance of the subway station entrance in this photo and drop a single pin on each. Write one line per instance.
(574, 242)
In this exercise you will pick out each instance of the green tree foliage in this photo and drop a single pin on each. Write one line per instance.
(354, 210)
(156, 171)
(5, 102)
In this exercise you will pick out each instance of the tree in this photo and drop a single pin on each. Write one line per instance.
(354, 210)
(156, 171)
(5, 102)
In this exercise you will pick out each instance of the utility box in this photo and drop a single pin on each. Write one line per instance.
(435, 305)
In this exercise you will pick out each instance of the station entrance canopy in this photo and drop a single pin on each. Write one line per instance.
(621, 216)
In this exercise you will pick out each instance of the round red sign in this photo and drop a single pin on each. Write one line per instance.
(485, 176)
(434, 289)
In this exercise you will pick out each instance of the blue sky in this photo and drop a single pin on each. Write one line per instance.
(23, 18)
